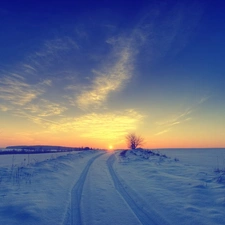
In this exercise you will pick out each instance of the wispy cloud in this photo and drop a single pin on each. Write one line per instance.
(29, 67)
(17, 92)
(110, 126)
(178, 119)
(107, 81)
(22, 86)
(44, 108)
(45, 60)
(167, 125)
(28, 88)
(163, 132)
(166, 28)
(55, 46)
(42, 121)
(156, 31)
(4, 108)
(22, 98)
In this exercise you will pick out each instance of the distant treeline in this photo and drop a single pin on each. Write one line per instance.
(40, 149)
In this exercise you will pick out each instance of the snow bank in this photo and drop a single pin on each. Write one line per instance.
(39, 192)
(178, 192)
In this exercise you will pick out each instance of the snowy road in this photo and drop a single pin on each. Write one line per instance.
(101, 203)
(99, 197)
(138, 207)
(94, 199)
(76, 193)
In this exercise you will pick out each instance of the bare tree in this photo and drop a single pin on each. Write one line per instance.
(134, 141)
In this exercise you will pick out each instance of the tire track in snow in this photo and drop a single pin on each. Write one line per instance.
(76, 193)
(143, 215)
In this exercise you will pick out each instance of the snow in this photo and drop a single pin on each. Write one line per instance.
(178, 192)
(121, 187)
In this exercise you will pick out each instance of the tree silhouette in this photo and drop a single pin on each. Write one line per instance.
(134, 141)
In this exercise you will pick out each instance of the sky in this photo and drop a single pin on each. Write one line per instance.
(87, 73)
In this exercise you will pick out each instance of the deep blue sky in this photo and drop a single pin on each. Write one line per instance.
(88, 72)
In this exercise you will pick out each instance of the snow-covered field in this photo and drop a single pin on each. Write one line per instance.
(121, 187)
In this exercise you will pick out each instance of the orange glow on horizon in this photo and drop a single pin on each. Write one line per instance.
(13, 135)
(110, 148)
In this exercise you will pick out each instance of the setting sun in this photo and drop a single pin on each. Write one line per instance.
(110, 147)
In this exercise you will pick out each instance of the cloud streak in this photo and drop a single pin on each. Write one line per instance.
(24, 88)
(17, 92)
(51, 50)
(44, 108)
(156, 31)
(110, 126)
(166, 28)
(181, 118)
(21, 98)
(107, 81)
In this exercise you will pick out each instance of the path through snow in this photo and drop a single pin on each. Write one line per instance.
(74, 210)
(146, 217)
(100, 197)
(101, 202)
